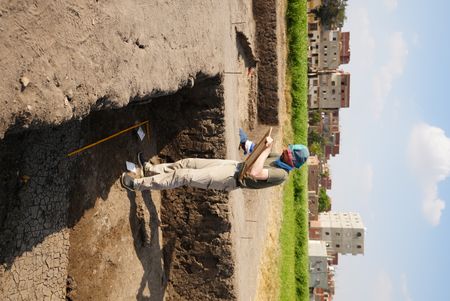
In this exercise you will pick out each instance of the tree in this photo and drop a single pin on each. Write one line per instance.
(315, 137)
(325, 174)
(314, 117)
(324, 201)
(331, 13)
(316, 149)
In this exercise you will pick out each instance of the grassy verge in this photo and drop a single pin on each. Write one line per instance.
(294, 231)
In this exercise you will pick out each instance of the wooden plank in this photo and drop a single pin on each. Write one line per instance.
(251, 158)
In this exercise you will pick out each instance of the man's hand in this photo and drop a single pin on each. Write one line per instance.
(257, 171)
(269, 141)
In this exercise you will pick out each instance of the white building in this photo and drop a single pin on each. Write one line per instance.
(318, 264)
(342, 232)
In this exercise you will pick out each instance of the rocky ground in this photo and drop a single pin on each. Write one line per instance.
(76, 72)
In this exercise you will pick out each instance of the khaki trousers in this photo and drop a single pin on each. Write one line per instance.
(200, 173)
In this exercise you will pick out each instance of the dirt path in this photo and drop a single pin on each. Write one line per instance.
(256, 215)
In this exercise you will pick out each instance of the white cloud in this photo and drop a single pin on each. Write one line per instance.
(391, 5)
(392, 70)
(428, 153)
(404, 288)
(432, 205)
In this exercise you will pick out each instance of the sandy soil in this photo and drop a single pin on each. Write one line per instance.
(70, 54)
(67, 229)
(257, 215)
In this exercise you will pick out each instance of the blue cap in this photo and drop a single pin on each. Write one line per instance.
(300, 154)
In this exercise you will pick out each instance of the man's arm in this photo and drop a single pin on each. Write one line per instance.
(257, 171)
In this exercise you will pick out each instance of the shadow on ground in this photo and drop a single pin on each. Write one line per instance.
(44, 191)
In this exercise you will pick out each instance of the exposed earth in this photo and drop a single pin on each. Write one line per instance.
(75, 72)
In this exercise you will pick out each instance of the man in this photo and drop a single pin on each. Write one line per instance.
(268, 170)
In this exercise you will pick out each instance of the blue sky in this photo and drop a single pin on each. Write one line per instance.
(394, 165)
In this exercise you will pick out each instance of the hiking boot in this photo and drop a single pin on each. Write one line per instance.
(144, 165)
(127, 181)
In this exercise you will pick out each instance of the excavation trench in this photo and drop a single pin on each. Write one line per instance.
(65, 222)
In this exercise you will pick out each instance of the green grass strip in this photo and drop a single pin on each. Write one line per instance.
(294, 231)
(287, 242)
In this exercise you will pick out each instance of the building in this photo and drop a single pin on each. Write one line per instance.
(329, 90)
(313, 174)
(313, 4)
(313, 187)
(313, 206)
(319, 294)
(328, 49)
(345, 47)
(342, 232)
(321, 274)
(331, 132)
(328, 128)
(318, 264)
(332, 144)
(314, 30)
(330, 121)
(325, 179)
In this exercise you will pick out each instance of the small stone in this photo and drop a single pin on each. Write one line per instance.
(24, 81)
(69, 94)
(190, 82)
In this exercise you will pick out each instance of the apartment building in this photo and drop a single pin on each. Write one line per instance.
(321, 274)
(313, 173)
(318, 264)
(342, 232)
(313, 206)
(319, 294)
(332, 144)
(325, 179)
(331, 133)
(330, 120)
(329, 90)
(314, 33)
(328, 49)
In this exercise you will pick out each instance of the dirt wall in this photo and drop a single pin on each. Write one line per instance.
(265, 13)
(46, 194)
(196, 239)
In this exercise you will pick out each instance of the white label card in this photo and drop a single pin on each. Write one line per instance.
(141, 133)
(131, 166)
